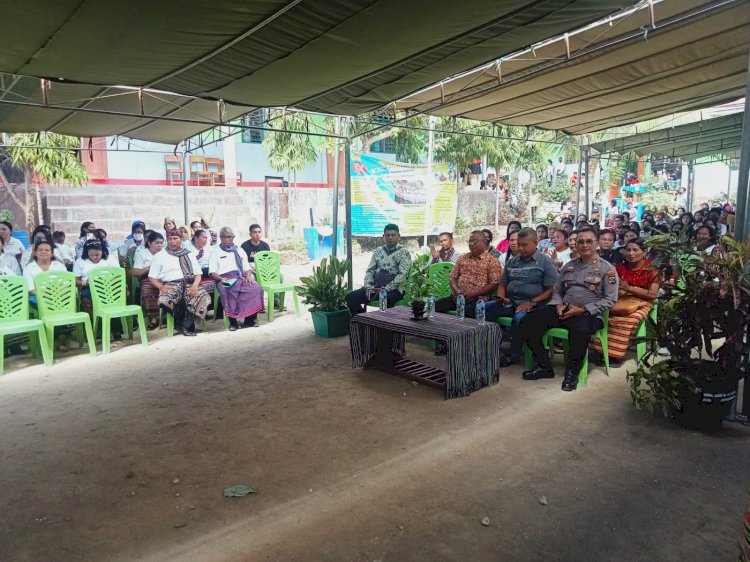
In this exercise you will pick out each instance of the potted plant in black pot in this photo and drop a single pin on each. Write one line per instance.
(703, 323)
(326, 290)
(416, 288)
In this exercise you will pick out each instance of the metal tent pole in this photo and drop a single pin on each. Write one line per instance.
(337, 174)
(587, 208)
(578, 181)
(348, 207)
(429, 182)
(185, 176)
(742, 218)
(691, 185)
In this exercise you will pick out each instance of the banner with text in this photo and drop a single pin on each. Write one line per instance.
(391, 192)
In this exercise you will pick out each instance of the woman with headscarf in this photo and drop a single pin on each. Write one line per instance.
(177, 275)
(241, 296)
(135, 241)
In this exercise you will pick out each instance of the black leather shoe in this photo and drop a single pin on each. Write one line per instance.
(570, 382)
(506, 361)
(186, 332)
(249, 323)
(538, 372)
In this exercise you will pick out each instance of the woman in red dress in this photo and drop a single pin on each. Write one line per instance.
(639, 286)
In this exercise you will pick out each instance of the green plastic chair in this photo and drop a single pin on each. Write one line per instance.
(14, 317)
(108, 294)
(268, 275)
(439, 279)
(601, 335)
(56, 296)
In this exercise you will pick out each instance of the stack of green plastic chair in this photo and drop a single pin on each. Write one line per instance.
(14, 317)
(108, 293)
(268, 275)
(56, 294)
(601, 335)
(439, 279)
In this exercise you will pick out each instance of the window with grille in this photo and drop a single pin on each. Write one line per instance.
(256, 118)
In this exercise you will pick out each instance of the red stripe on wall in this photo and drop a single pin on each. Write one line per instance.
(115, 181)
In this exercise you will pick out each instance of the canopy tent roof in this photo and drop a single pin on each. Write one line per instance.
(689, 142)
(671, 56)
(336, 56)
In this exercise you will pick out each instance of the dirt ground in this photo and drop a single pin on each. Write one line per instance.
(125, 457)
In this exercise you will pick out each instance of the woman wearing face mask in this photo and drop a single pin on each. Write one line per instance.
(13, 246)
(8, 263)
(141, 266)
(135, 241)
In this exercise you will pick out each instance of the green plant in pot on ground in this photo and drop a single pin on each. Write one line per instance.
(703, 323)
(326, 291)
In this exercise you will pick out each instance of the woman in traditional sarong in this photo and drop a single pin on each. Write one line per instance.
(141, 266)
(639, 286)
(177, 275)
(241, 296)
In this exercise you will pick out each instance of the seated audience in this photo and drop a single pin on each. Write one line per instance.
(13, 246)
(134, 241)
(141, 267)
(527, 282)
(560, 251)
(177, 275)
(513, 226)
(43, 259)
(444, 252)
(388, 269)
(494, 252)
(169, 225)
(567, 226)
(254, 244)
(63, 252)
(572, 244)
(241, 296)
(95, 254)
(705, 239)
(41, 233)
(8, 262)
(606, 247)
(512, 249)
(638, 287)
(476, 274)
(113, 257)
(586, 287)
(546, 243)
(87, 233)
(542, 232)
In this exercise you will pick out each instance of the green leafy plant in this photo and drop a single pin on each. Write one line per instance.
(417, 286)
(326, 289)
(709, 301)
(7, 215)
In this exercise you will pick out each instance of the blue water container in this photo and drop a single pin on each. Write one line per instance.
(23, 236)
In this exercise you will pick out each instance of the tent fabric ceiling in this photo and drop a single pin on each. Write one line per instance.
(689, 142)
(337, 56)
(695, 57)
(85, 110)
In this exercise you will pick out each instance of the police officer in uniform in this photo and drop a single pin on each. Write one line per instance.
(587, 286)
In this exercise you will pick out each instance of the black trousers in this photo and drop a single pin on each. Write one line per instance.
(537, 322)
(491, 308)
(357, 300)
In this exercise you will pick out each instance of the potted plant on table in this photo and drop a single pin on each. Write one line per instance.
(417, 287)
(326, 291)
(703, 323)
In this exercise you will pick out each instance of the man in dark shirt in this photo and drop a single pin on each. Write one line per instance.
(606, 247)
(254, 244)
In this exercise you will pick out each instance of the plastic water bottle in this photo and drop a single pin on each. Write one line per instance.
(383, 300)
(479, 310)
(460, 306)
(430, 307)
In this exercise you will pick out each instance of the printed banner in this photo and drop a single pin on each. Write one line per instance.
(391, 192)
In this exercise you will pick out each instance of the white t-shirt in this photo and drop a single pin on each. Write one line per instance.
(127, 245)
(26, 256)
(33, 269)
(564, 256)
(204, 260)
(9, 265)
(13, 247)
(166, 267)
(83, 267)
(64, 253)
(142, 258)
(222, 262)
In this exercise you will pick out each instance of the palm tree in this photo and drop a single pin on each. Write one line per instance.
(290, 149)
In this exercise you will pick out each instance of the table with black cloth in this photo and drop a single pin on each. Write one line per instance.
(378, 341)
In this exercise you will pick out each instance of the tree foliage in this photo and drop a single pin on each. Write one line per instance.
(288, 149)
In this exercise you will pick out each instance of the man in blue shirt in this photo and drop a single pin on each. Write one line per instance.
(528, 281)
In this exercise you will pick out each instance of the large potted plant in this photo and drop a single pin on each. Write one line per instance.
(326, 290)
(703, 323)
